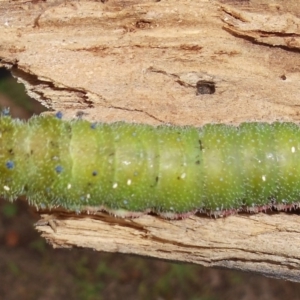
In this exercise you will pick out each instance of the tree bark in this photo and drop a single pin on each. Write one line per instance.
(179, 62)
(261, 243)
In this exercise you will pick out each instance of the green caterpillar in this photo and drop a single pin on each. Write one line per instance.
(131, 169)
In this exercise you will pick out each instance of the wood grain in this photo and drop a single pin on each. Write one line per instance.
(140, 61)
(262, 243)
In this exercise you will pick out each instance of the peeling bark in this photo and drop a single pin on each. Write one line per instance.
(262, 243)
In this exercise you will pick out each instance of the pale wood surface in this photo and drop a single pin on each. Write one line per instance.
(140, 61)
(266, 244)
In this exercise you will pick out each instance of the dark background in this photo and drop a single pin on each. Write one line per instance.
(32, 269)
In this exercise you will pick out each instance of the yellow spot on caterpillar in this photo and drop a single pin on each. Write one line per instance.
(69, 186)
(129, 182)
(115, 185)
(183, 175)
(264, 178)
(6, 188)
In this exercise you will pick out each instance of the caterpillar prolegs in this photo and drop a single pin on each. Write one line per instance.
(130, 169)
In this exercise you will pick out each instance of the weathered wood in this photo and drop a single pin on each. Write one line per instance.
(267, 244)
(144, 61)
(140, 60)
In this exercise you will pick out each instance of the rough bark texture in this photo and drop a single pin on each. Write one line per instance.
(180, 62)
(266, 244)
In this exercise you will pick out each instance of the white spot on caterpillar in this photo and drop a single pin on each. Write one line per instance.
(126, 162)
(115, 185)
(183, 175)
(129, 182)
(69, 186)
(88, 196)
(6, 188)
(264, 178)
(293, 149)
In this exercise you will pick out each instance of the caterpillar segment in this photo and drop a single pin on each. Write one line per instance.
(133, 169)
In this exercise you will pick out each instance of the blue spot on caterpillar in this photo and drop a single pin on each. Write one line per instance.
(10, 165)
(130, 169)
(58, 169)
(59, 115)
(5, 111)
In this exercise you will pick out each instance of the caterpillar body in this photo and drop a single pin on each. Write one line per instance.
(130, 169)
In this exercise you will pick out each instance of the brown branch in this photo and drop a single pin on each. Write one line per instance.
(262, 243)
(144, 61)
